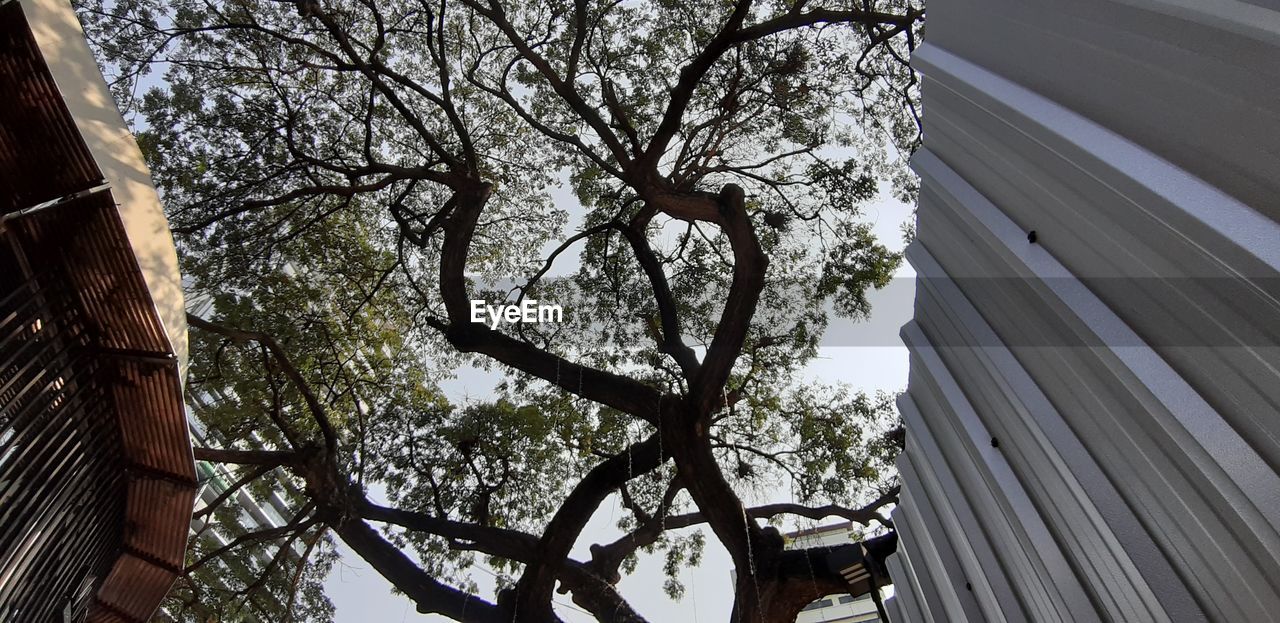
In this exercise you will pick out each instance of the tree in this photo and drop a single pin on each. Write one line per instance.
(345, 177)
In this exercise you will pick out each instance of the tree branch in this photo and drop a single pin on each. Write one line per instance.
(265, 458)
(296, 524)
(249, 477)
(430, 595)
(619, 392)
(538, 581)
(589, 590)
(672, 341)
(290, 369)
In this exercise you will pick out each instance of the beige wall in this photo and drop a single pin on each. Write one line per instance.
(62, 41)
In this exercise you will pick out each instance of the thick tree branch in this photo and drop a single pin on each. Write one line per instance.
(430, 595)
(501, 542)
(589, 589)
(691, 76)
(672, 341)
(864, 515)
(266, 458)
(536, 585)
(749, 266)
(606, 388)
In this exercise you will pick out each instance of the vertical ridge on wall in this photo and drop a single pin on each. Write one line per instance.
(1093, 413)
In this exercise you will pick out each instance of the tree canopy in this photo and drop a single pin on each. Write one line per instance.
(344, 176)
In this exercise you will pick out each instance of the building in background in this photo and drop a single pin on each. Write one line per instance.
(1093, 412)
(843, 608)
(96, 472)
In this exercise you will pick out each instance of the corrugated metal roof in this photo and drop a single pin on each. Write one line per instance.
(78, 248)
(134, 586)
(114, 151)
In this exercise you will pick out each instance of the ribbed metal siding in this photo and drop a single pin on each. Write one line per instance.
(1094, 417)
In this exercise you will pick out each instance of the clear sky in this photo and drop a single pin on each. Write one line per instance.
(869, 357)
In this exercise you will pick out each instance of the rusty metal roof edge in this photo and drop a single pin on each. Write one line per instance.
(121, 610)
(175, 411)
